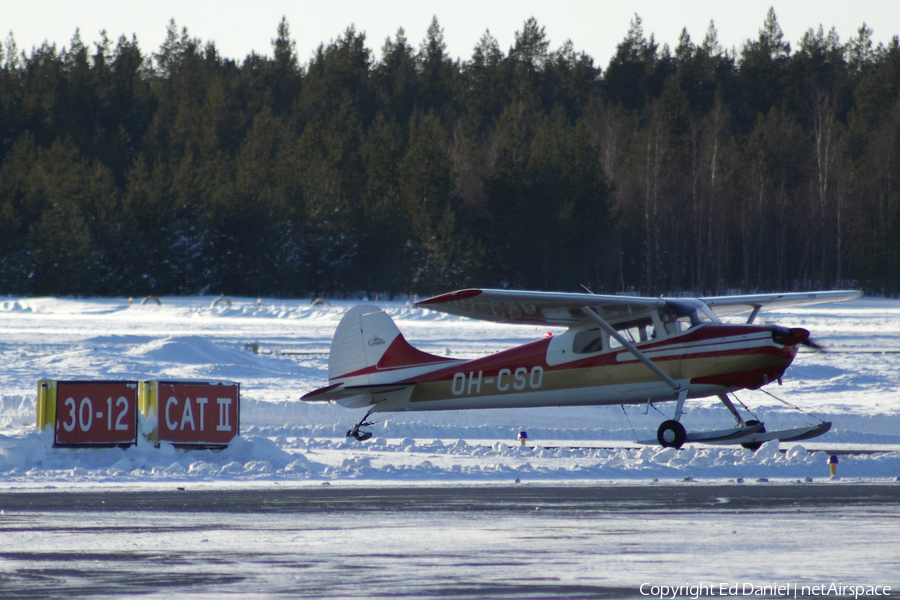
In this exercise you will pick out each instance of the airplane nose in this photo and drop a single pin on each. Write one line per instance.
(790, 337)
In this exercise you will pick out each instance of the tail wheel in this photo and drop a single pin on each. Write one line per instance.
(671, 434)
(753, 445)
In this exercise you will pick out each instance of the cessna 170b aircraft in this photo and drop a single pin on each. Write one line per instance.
(615, 350)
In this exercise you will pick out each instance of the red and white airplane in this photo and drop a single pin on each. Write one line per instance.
(615, 350)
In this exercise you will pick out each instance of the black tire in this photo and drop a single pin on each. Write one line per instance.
(671, 434)
(753, 445)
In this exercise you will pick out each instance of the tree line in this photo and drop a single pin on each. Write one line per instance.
(697, 168)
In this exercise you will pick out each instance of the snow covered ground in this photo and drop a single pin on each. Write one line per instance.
(855, 386)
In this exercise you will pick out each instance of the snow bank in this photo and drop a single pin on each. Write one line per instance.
(17, 411)
(31, 460)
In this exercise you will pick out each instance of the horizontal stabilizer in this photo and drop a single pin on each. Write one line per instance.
(339, 391)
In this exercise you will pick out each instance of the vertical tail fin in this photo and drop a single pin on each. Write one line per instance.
(367, 342)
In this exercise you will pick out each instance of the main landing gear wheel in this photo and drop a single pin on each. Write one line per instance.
(671, 434)
(753, 445)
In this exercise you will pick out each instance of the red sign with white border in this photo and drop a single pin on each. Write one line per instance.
(204, 414)
(96, 413)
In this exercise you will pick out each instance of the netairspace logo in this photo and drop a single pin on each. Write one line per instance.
(786, 590)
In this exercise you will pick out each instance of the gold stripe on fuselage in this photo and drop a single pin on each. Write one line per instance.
(468, 383)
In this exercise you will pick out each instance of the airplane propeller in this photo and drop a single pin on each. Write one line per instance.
(796, 336)
(814, 346)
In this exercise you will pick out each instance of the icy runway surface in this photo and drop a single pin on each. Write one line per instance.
(488, 541)
(512, 547)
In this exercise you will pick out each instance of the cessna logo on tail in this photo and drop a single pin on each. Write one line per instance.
(376, 341)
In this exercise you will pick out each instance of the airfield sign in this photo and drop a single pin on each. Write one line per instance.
(91, 413)
(197, 413)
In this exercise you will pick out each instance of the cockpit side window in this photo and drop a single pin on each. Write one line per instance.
(673, 321)
(636, 331)
(706, 315)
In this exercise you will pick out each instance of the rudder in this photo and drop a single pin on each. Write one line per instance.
(367, 341)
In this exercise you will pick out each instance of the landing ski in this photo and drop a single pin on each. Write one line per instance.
(782, 435)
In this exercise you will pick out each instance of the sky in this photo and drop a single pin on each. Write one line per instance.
(595, 27)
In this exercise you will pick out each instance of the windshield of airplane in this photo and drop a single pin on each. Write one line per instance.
(681, 315)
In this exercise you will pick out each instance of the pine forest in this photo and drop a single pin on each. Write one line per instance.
(695, 169)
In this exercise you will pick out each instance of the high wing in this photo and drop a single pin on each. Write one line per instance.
(725, 306)
(564, 309)
(538, 308)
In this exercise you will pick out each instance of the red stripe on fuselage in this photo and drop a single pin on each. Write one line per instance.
(534, 354)
(528, 355)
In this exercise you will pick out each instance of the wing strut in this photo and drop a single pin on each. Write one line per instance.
(676, 387)
(754, 314)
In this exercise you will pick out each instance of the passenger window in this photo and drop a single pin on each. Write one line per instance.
(587, 342)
